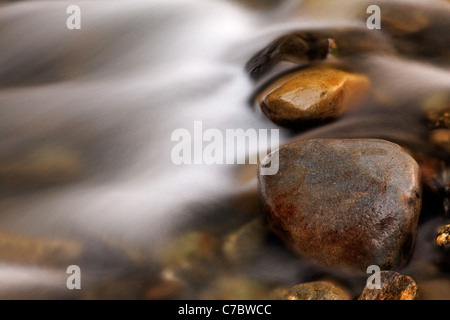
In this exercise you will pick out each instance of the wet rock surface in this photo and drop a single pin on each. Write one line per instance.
(443, 236)
(345, 203)
(313, 95)
(393, 286)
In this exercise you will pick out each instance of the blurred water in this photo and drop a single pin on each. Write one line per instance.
(113, 92)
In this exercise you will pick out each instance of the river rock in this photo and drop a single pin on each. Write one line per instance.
(393, 286)
(437, 110)
(190, 256)
(347, 203)
(318, 290)
(245, 244)
(443, 236)
(313, 95)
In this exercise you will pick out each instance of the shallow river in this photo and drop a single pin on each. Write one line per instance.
(86, 118)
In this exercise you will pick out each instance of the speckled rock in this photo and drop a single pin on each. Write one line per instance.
(313, 95)
(393, 286)
(443, 236)
(319, 290)
(345, 203)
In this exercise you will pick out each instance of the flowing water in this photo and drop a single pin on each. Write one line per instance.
(92, 112)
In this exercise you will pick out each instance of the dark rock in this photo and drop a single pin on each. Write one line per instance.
(345, 203)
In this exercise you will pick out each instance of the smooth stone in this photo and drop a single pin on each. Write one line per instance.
(168, 286)
(245, 244)
(441, 139)
(190, 256)
(312, 95)
(443, 236)
(437, 110)
(319, 290)
(347, 203)
(394, 286)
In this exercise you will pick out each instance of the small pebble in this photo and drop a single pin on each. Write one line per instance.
(394, 286)
(245, 244)
(443, 237)
(313, 95)
(319, 290)
(190, 256)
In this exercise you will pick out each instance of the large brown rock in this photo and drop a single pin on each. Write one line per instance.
(345, 203)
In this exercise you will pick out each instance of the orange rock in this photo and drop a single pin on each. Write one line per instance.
(313, 94)
(394, 286)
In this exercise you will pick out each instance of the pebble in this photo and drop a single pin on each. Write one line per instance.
(347, 203)
(440, 138)
(245, 244)
(313, 95)
(443, 236)
(191, 256)
(437, 110)
(394, 286)
(168, 287)
(319, 290)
